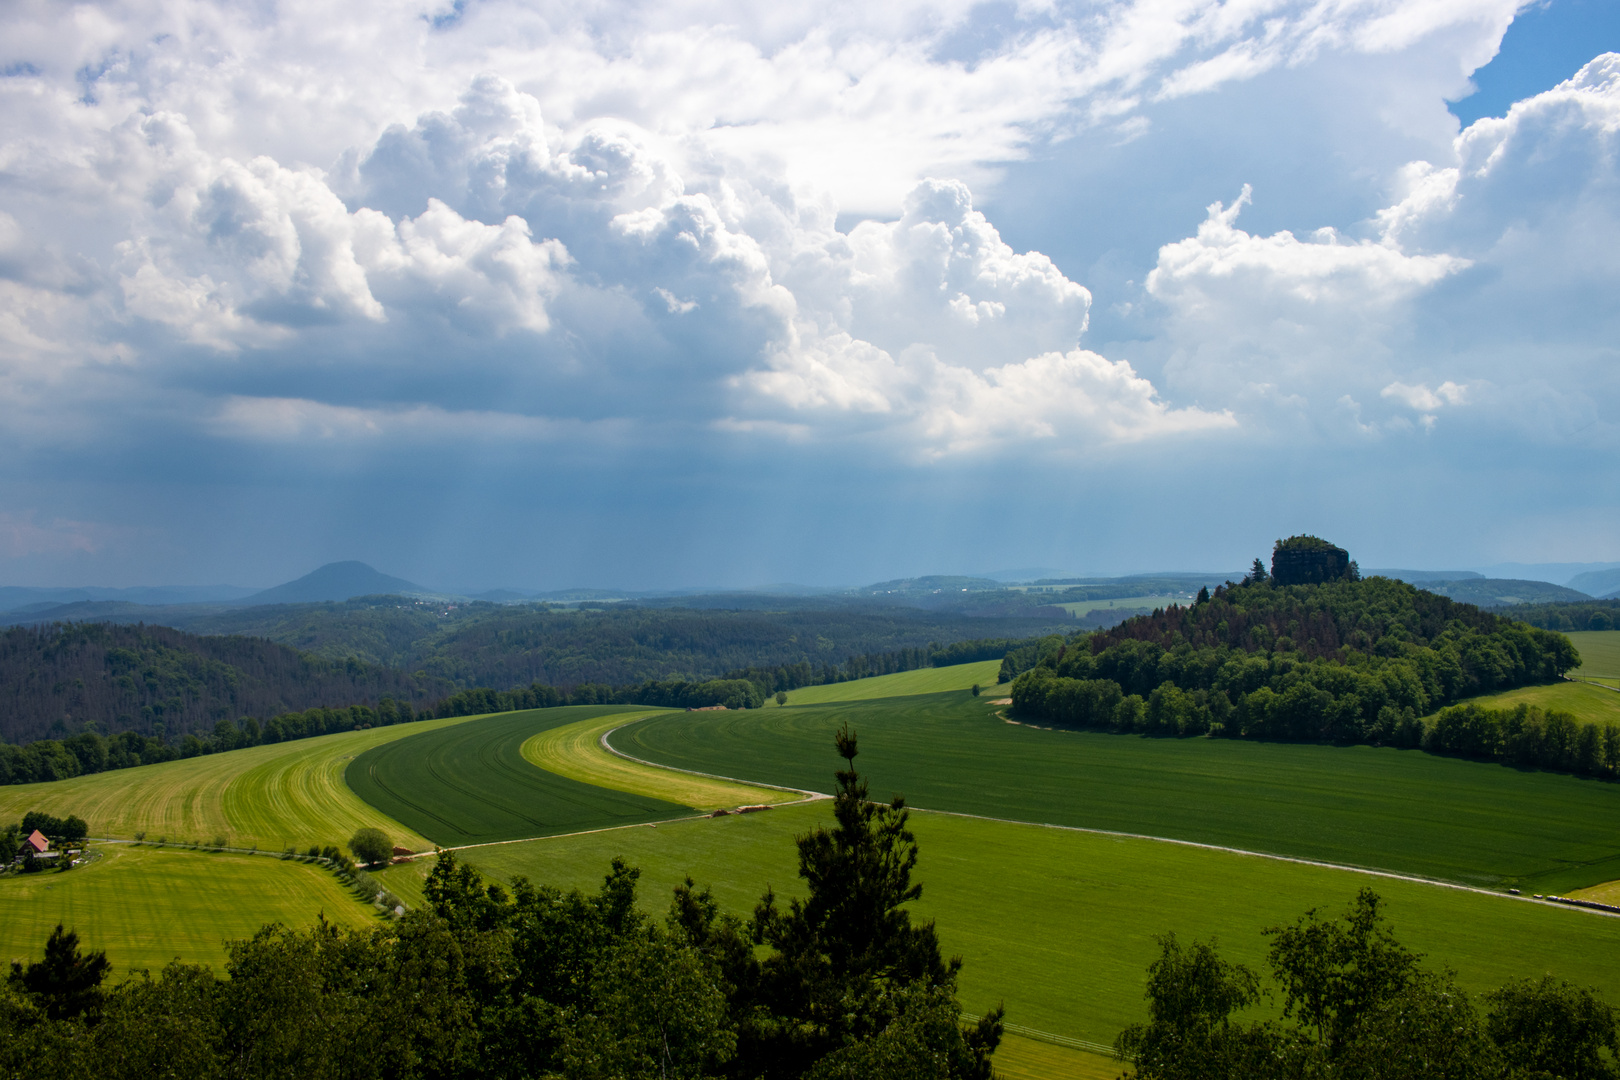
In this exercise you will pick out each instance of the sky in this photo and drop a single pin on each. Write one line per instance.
(702, 293)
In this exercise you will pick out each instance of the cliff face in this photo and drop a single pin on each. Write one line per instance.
(1309, 566)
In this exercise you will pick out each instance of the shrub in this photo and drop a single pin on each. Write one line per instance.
(371, 845)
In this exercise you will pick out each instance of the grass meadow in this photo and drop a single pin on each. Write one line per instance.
(1060, 924)
(901, 684)
(1473, 822)
(1077, 608)
(471, 784)
(146, 905)
(1586, 702)
(575, 751)
(272, 796)
(1600, 655)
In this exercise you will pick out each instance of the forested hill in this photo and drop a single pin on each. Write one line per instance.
(55, 679)
(501, 646)
(1313, 621)
(1350, 661)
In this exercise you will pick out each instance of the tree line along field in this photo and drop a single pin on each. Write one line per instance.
(1401, 810)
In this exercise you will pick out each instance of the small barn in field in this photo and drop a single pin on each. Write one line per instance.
(37, 841)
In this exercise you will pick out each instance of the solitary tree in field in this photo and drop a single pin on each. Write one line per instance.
(371, 845)
(781, 697)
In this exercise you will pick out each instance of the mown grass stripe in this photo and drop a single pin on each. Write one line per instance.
(579, 751)
(272, 796)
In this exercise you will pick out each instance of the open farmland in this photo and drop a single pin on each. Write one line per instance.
(1600, 655)
(575, 751)
(1401, 810)
(1586, 702)
(1059, 923)
(471, 784)
(146, 905)
(271, 796)
(1077, 608)
(900, 684)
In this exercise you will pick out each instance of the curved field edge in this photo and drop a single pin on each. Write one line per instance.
(1059, 924)
(146, 905)
(900, 684)
(1476, 823)
(575, 751)
(471, 784)
(272, 796)
(1587, 702)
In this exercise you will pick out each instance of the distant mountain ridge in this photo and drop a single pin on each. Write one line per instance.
(20, 597)
(1503, 592)
(1600, 583)
(336, 582)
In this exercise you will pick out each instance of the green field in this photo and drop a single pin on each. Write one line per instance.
(471, 784)
(1078, 608)
(1401, 810)
(146, 905)
(575, 750)
(1593, 704)
(900, 684)
(269, 796)
(1060, 924)
(1057, 923)
(1600, 655)
(1600, 652)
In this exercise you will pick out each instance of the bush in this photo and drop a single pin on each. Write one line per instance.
(371, 846)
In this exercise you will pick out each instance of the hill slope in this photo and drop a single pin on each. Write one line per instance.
(55, 679)
(335, 581)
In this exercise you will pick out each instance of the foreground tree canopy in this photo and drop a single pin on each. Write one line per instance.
(537, 982)
(1358, 1005)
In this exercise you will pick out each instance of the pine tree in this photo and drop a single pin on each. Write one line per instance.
(848, 962)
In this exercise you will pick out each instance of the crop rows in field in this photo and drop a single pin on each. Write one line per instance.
(471, 784)
(1401, 810)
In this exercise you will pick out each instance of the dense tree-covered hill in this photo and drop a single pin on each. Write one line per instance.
(58, 679)
(1347, 661)
(485, 644)
(1584, 615)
